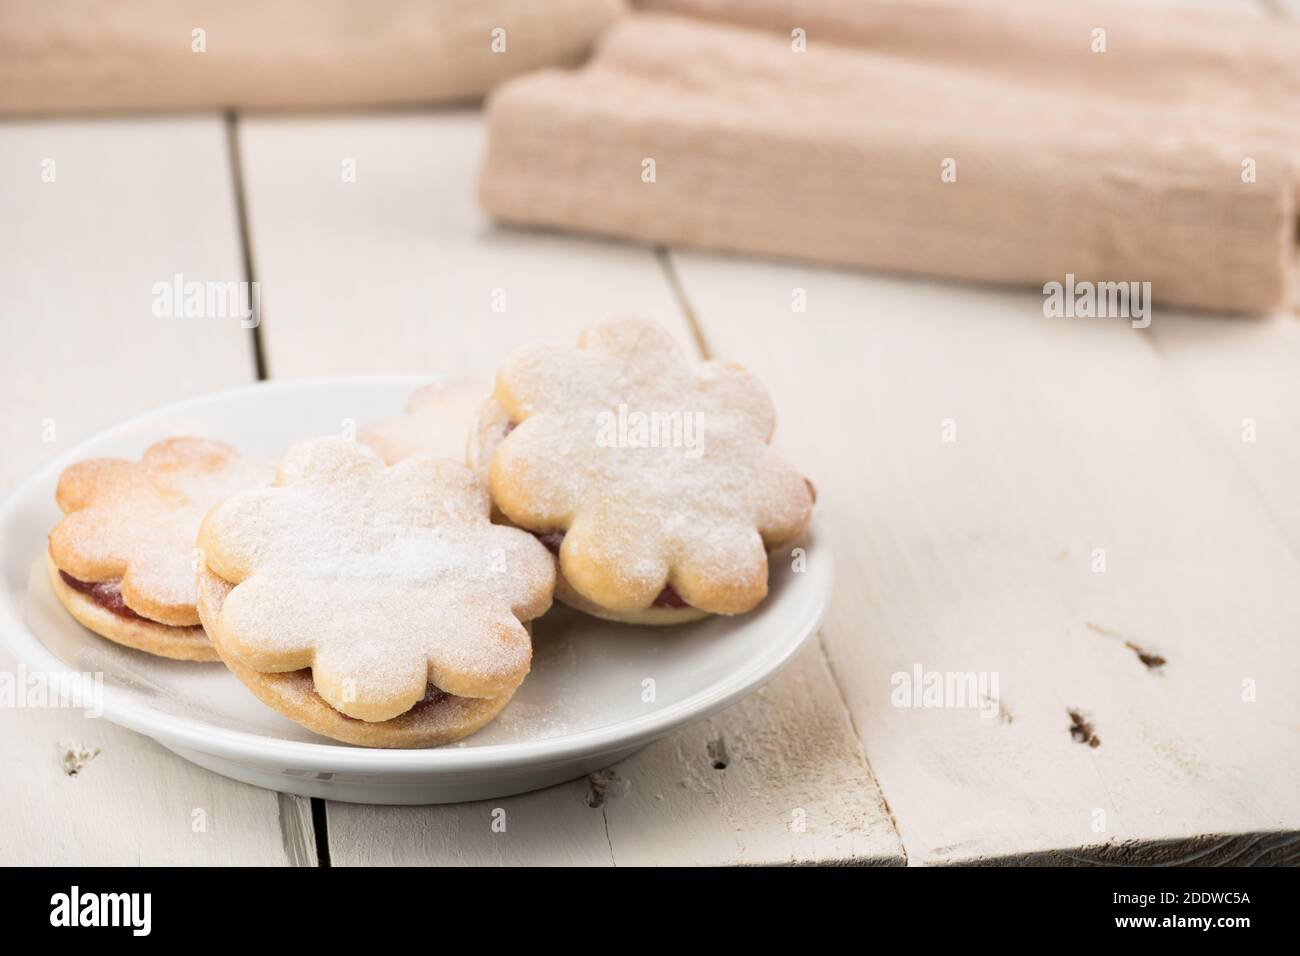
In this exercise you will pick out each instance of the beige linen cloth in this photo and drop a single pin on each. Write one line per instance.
(1178, 171)
(1238, 62)
(60, 56)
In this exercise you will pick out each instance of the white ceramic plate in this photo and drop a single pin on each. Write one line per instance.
(581, 708)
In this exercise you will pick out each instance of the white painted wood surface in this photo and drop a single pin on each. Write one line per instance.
(396, 273)
(1241, 377)
(977, 555)
(132, 203)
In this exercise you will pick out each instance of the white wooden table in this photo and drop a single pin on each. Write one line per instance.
(977, 554)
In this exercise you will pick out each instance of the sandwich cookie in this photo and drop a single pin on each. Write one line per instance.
(122, 559)
(651, 478)
(372, 604)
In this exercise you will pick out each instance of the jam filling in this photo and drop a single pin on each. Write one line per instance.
(107, 594)
(432, 695)
(668, 598)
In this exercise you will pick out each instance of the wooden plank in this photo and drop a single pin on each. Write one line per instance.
(131, 203)
(977, 555)
(395, 273)
(553, 827)
(778, 778)
(1241, 379)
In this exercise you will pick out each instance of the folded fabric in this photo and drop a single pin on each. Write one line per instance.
(685, 132)
(1144, 52)
(59, 56)
(1198, 62)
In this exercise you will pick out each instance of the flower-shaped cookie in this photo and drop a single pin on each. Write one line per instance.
(658, 473)
(437, 421)
(122, 558)
(381, 580)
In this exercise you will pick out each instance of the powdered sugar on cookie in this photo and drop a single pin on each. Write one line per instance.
(660, 473)
(137, 521)
(437, 421)
(380, 579)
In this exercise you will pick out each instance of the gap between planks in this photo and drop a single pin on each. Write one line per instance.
(245, 239)
(292, 829)
(664, 256)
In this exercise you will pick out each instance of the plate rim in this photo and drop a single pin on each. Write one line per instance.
(249, 747)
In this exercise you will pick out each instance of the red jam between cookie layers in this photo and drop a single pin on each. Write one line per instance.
(107, 594)
(432, 695)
